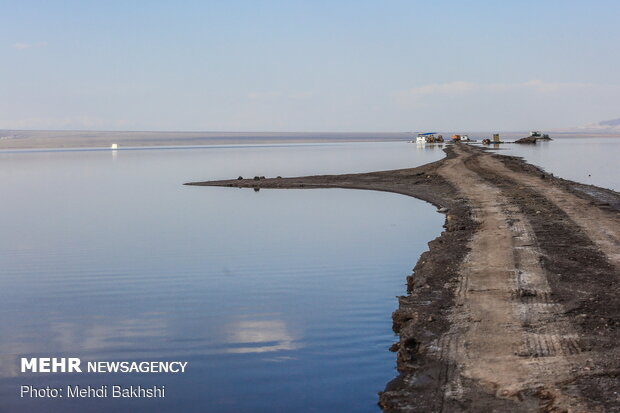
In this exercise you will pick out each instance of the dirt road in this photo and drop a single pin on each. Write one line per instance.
(516, 306)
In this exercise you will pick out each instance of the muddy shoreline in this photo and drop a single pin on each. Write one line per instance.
(515, 306)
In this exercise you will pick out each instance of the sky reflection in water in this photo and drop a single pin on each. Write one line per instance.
(590, 160)
(279, 300)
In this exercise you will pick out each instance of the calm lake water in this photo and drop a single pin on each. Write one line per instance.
(591, 160)
(280, 300)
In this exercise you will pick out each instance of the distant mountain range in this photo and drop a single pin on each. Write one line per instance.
(612, 123)
(609, 126)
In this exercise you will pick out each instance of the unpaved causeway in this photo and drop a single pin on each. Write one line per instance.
(516, 306)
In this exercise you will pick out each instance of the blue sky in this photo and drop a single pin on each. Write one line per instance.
(308, 65)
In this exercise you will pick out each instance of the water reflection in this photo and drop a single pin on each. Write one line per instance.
(432, 147)
(9, 361)
(260, 336)
(288, 291)
(96, 335)
(91, 337)
(588, 159)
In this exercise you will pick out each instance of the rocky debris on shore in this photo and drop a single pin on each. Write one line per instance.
(529, 139)
(534, 137)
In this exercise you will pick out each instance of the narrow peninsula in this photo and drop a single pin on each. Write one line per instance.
(515, 307)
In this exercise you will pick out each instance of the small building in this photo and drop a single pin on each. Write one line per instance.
(428, 137)
(496, 137)
(461, 138)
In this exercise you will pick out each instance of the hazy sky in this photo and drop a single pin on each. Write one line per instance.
(308, 65)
